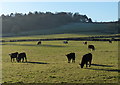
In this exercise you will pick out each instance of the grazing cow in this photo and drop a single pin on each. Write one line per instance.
(85, 43)
(113, 39)
(13, 56)
(39, 43)
(71, 56)
(85, 59)
(91, 47)
(110, 41)
(65, 42)
(21, 56)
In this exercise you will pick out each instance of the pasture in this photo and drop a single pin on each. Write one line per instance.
(47, 62)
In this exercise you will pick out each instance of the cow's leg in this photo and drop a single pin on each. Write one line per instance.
(22, 59)
(25, 58)
(69, 60)
(73, 61)
(89, 63)
(16, 59)
(11, 59)
(86, 64)
(19, 59)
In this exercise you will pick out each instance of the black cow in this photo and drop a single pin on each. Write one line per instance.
(13, 56)
(71, 56)
(65, 42)
(91, 47)
(85, 59)
(110, 41)
(85, 43)
(39, 43)
(21, 56)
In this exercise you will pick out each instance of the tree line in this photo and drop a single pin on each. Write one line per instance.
(18, 22)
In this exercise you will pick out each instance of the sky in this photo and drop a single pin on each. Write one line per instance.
(98, 11)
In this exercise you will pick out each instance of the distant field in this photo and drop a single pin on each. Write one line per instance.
(46, 36)
(47, 63)
(54, 36)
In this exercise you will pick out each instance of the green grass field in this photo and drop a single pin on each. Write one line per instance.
(47, 63)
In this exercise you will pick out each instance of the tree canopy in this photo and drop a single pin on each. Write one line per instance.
(19, 22)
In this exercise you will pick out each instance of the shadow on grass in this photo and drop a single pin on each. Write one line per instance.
(2, 44)
(35, 45)
(36, 62)
(112, 70)
(101, 65)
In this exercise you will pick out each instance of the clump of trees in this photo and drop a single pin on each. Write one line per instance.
(18, 22)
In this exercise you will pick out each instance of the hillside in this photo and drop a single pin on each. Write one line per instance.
(40, 23)
(18, 22)
(75, 28)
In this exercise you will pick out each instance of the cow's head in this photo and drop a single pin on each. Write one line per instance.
(82, 65)
(18, 60)
(9, 54)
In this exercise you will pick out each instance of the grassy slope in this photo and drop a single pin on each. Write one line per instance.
(46, 36)
(50, 63)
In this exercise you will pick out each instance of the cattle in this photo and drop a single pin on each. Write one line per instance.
(91, 47)
(39, 43)
(21, 56)
(65, 42)
(71, 56)
(85, 43)
(110, 41)
(13, 56)
(85, 59)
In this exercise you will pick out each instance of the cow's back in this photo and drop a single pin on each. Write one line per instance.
(71, 55)
(87, 57)
(91, 47)
(13, 55)
(21, 55)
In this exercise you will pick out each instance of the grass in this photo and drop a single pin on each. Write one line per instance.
(47, 63)
(46, 36)
(55, 36)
